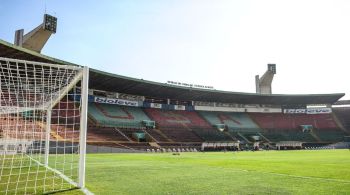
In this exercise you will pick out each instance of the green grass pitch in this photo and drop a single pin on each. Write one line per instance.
(263, 172)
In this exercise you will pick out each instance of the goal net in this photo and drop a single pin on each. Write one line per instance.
(42, 126)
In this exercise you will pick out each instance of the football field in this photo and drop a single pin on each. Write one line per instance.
(263, 172)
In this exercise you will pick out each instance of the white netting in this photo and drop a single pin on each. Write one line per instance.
(39, 126)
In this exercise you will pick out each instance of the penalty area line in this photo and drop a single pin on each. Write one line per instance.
(297, 176)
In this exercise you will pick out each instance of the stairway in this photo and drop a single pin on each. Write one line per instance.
(121, 133)
(265, 138)
(315, 136)
(242, 136)
(162, 134)
(337, 121)
(153, 139)
(154, 144)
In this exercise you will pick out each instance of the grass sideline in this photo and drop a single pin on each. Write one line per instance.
(263, 172)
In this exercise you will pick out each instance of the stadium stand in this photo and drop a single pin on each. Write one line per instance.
(158, 135)
(65, 111)
(343, 114)
(177, 118)
(331, 135)
(114, 125)
(288, 135)
(23, 129)
(100, 134)
(293, 121)
(287, 127)
(211, 134)
(234, 121)
(181, 134)
(135, 134)
(185, 126)
(117, 116)
(239, 125)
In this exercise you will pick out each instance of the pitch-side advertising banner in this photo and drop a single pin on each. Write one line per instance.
(179, 107)
(106, 100)
(156, 105)
(308, 111)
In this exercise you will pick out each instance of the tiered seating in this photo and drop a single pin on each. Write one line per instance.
(117, 116)
(234, 121)
(65, 112)
(65, 121)
(181, 135)
(286, 127)
(343, 115)
(330, 135)
(156, 135)
(178, 118)
(293, 121)
(65, 124)
(184, 126)
(64, 132)
(288, 135)
(246, 135)
(129, 131)
(212, 135)
(18, 128)
(96, 134)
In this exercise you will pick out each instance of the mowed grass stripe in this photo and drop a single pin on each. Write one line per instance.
(265, 172)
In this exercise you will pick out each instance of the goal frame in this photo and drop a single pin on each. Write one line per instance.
(83, 78)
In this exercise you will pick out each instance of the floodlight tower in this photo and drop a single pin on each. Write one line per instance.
(36, 39)
(263, 84)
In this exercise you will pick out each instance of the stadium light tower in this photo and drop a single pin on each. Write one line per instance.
(263, 84)
(36, 39)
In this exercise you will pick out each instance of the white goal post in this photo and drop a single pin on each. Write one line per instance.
(43, 121)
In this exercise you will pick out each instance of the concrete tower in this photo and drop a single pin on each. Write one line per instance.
(37, 38)
(263, 84)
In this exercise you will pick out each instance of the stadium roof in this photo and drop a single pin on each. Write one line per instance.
(9, 50)
(342, 102)
(122, 84)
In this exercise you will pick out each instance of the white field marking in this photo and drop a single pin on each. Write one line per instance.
(271, 173)
(309, 177)
(295, 176)
(86, 191)
(69, 180)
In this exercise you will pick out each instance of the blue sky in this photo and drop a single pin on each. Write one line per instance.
(220, 43)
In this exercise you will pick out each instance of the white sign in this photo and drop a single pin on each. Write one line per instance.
(156, 105)
(308, 111)
(190, 85)
(106, 100)
(179, 107)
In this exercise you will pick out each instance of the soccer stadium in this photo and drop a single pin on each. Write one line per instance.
(69, 129)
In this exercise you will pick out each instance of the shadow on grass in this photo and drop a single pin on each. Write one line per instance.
(77, 190)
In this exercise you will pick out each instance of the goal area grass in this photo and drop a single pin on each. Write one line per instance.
(263, 172)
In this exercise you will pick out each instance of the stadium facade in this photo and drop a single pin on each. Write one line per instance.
(137, 114)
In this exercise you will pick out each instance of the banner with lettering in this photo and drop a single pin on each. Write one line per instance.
(122, 102)
(308, 111)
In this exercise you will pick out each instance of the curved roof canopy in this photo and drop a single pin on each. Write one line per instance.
(112, 82)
